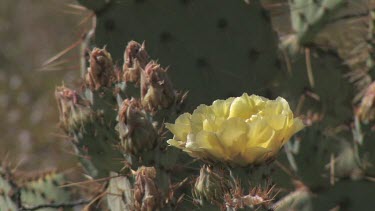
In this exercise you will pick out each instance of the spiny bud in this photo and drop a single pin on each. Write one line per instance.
(135, 60)
(146, 193)
(136, 131)
(156, 88)
(101, 72)
(73, 109)
(257, 196)
(210, 185)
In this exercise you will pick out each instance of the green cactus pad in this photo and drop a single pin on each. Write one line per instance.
(44, 190)
(309, 17)
(215, 49)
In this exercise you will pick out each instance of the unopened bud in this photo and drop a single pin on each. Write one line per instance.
(135, 60)
(101, 71)
(157, 91)
(73, 109)
(146, 193)
(210, 185)
(257, 197)
(136, 131)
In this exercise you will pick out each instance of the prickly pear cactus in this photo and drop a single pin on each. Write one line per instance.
(115, 124)
(116, 120)
(38, 192)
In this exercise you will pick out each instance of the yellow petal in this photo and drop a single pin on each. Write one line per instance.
(240, 107)
(233, 133)
(297, 125)
(221, 107)
(183, 119)
(209, 125)
(211, 144)
(182, 127)
(275, 107)
(277, 122)
(175, 143)
(191, 143)
(295, 128)
(198, 116)
(255, 155)
(257, 101)
(260, 134)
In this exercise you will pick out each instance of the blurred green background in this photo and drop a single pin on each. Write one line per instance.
(32, 32)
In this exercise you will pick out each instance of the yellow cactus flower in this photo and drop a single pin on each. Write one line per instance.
(243, 130)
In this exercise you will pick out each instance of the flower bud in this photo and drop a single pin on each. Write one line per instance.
(210, 185)
(73, 109)
(101, 71)
(135, 60)
(137, 133)
(157, 91)
(146, 193)
(257, 196)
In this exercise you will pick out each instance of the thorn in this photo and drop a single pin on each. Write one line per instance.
(332, 170)
(287, 62)
(86, 18)
(62, 53)
(89, 181)
(371, 179)
(77, 7)
(286, 170)
(300, 104)
(309, 67)
(87, 207)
